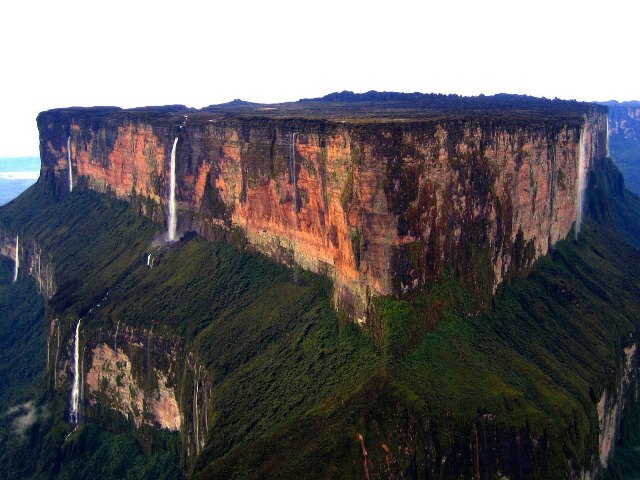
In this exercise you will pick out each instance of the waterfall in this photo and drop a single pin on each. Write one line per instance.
(149, 260)
(17, 263)
(581, 182)
(69, 162)
(173, 221)
(75, 392)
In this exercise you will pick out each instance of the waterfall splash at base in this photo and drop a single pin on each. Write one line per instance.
(173, 220)
(75, 391)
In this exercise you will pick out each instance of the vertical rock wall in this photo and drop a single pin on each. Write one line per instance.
(381, 207)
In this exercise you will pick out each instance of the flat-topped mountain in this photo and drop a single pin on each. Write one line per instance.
(379, 191)
(481, 351)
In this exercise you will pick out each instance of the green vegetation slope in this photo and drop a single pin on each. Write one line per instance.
(438, 387)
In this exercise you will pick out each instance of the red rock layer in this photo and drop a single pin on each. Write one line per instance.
(380, 207)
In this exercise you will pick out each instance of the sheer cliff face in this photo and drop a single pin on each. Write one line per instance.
(381, 207)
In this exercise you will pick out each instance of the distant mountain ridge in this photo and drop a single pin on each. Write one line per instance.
(624, 140)
(615, 103)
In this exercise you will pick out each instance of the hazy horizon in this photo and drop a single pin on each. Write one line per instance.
(16, 175)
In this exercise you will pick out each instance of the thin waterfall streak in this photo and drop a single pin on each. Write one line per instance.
(17, 262)
(581, 182)
(69, 164)
(75, 392)
(172, 221)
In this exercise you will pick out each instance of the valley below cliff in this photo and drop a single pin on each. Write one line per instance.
(226, 355)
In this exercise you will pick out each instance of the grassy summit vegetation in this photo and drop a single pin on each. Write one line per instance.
(356, 108)
(295, 387)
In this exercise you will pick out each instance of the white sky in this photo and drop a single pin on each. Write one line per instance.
(132, 53)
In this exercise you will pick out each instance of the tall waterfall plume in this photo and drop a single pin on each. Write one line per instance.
(75, 391)
(69, 164)
(17, 263)
(582, 177)
(173, 220)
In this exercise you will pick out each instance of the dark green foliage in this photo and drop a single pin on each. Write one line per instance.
(538, 362)
(274, 349)
(22, 336)
(32, 424)
(92, 453)
(537, 355)
(293, 387)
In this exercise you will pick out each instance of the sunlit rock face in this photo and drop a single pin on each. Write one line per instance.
(384, 203)
(112, 381)
(145, 378)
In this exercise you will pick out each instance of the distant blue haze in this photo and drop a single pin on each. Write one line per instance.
(16, 175)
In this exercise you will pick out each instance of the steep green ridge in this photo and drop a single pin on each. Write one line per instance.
(33, 423)
(264, 338)
(537, 364)
(23, 344)
(294, 387)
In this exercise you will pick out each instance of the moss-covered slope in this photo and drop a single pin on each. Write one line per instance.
(440, 388)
